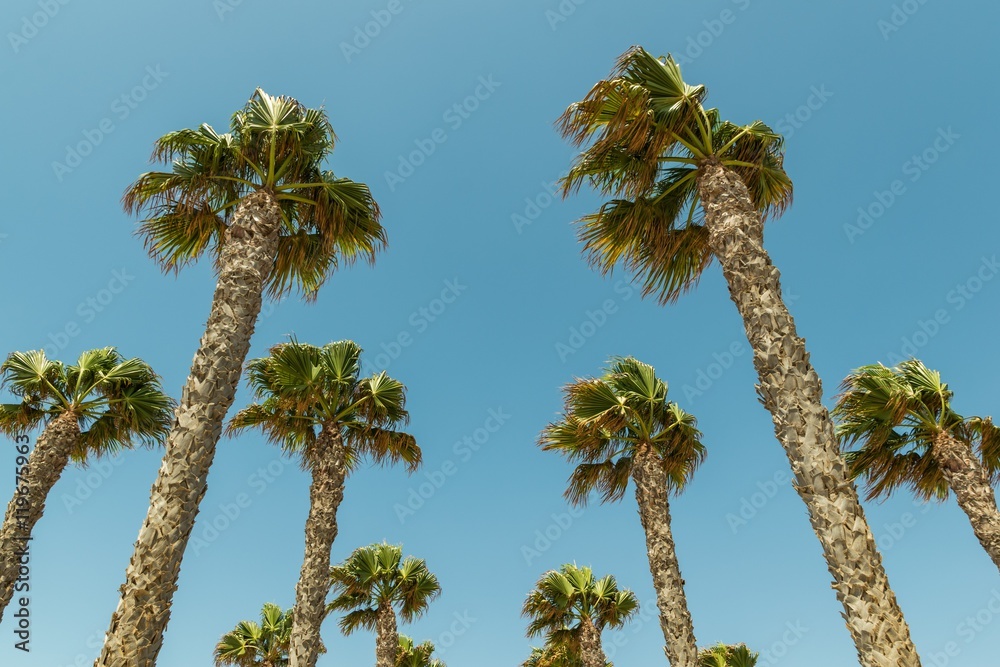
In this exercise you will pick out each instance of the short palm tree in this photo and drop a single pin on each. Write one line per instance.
(556, 656)
(98, 406)
(416, 655)
(258, 201)
(910, 436)
(689, 188)
(263, 644)
(314, 405)
(724, 655)
(371, 585)
(621, 427)
(571, 607)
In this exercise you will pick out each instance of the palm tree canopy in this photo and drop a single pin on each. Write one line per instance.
(277, 145)
(302, 388)
(416, 655)
(252, 644)
(648, 135)
(118, 402)
(377, 576)
(564, 598)
(561, 655)
(723, 655)
(608, 419)
(892, 416)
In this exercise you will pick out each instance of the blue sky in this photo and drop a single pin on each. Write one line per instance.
(484, 308)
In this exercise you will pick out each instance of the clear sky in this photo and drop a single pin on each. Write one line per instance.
(484, 284)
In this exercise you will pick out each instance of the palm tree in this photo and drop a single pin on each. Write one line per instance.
(689, 188)
(251, 644)
(371, 584)
(620, 427)
(314, 405)
(96, 407)
(910, 436)
(258, 201)
(556, 656)
(723, 655)
(572, 607)
(416, 655)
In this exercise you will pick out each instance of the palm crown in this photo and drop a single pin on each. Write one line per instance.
(117, 402)
(608, 419)
(563, 599)
(276, 145)
(895, 414)
(416, 655)
(253, 644)
(649, 135)
(377, 577)
(723, 655)
(303, 388)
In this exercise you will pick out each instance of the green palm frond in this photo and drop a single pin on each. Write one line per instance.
(303, 389)
(606, 420)
(563, 599)
(723, 655)
(277, 145)
(119, 403)
(251, 644)
(647, 136)
(887, 420)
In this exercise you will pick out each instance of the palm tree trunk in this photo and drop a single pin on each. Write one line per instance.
(591, 652)
(45, 465)
(386, 637)
(654, 511)
(968, 479)
(792, 392)
(329, 470)
(137, 626)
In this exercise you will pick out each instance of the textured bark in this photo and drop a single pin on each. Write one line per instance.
(792, 392)
(329, 469)
(654, 510)
(968, 479)
(45, 465)
(386, 637)
(591, 653)
(137, 626)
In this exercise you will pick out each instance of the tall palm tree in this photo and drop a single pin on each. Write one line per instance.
(724, 655)
(371, 584)
(910, 436)
(416, 655)
(96, 407)
(315, 406)
(258, 201)
(620, 427)
(263, 644)
(571, 607)
(556, 656)
(689, 188)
